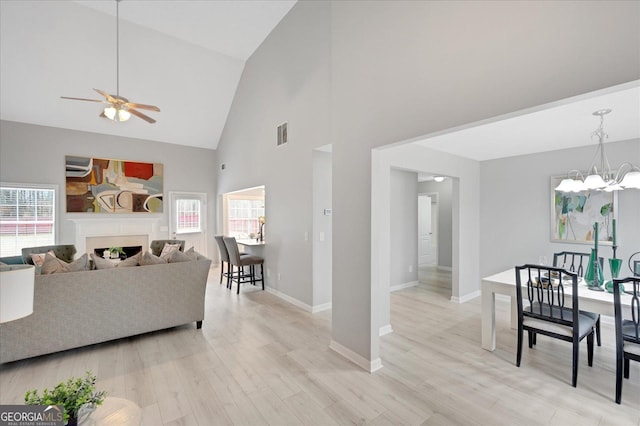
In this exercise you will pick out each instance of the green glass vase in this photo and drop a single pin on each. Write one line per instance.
(615, 265)
(594, 276)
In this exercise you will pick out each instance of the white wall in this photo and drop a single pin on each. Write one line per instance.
(361, 75)
(404, 227)
(35, 154)
(286, 79)
(322, 236)
(515, 213)
(444, 190)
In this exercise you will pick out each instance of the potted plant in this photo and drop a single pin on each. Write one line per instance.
(74, 394)
(117, 252)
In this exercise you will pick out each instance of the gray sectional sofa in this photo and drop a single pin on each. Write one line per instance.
(82, 308)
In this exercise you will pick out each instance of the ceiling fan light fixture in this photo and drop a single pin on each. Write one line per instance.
(110, 113)
(123, 115)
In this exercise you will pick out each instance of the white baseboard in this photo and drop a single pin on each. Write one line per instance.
(290, 299)
(358, 360)
(320, 308)
(445, 268)
(401, 286)
(299, 304)
(386, 329)
(466, 297)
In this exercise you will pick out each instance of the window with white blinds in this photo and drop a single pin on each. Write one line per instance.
(27, 217)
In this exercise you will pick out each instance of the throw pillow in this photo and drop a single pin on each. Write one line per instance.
(80, 264)
(130, 261)
(168, 249)
(53, 265)
(101, 263)
(178, 256)
(149, 259)
(38, 258)
(194, 255)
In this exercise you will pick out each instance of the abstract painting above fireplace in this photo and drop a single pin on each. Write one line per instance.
(97, 185)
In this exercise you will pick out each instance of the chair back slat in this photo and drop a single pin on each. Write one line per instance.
(631, 286)
(573, 261)
(546, 293)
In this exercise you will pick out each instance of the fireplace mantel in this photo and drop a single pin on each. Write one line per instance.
(124, 230)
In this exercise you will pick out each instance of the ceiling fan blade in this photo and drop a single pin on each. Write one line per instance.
(82, 99)
(106, 95)
(143, 106)
(141, 115)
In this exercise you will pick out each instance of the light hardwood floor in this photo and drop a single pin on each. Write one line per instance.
(261, 361)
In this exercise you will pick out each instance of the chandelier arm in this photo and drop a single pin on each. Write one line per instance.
(621, 170)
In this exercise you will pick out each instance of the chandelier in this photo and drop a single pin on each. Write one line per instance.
(600, 176)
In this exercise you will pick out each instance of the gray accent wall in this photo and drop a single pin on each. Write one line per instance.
(515, 212)
(35, 154)
(444, 190)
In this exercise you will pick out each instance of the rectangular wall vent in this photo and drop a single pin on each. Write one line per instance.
(283, 133)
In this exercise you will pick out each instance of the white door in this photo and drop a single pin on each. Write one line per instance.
(427, 226)
(424, 229)
(189, 219)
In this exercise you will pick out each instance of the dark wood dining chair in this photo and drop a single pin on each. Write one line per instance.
(577, 262)
(547, 314)
(627, 329)
(236, 260)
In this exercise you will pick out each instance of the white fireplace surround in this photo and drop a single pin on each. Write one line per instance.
(121, 232)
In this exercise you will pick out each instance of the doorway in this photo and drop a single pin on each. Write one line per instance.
(188, 211)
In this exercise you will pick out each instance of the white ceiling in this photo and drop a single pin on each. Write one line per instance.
(559, 125)
(184, 56)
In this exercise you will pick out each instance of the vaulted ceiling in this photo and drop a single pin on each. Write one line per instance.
(187, 57)
(184, 56)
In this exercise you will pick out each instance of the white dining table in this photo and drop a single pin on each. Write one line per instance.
(505, 283)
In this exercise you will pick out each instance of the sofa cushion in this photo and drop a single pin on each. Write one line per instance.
(130, 261)
(149, 259)
(52, 265)
(168, 249)
(193, 254)
(178, 256)
(65, 252)
(101, 263)
(38, 258)
(80, 264)
(156, 246)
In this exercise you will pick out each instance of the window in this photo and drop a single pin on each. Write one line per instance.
(188, 216)
(243, 217)
(27, 217)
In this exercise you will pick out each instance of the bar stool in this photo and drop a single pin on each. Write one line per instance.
(236, 260)
(224, 257)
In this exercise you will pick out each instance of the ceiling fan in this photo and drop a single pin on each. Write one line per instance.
(119, 108)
